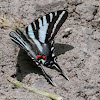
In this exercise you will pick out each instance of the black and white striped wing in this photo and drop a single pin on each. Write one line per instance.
(44, 29)
(19, 38)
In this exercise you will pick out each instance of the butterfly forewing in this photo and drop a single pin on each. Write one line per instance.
(43, 30)
(61, 17)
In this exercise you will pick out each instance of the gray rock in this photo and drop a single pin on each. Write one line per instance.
(87, 12)
(88, 31)
(75, 2)
(96, 35)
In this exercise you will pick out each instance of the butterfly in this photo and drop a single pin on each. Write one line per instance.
(41, 32)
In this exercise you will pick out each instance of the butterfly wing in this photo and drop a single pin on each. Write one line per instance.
(19, 38)
(43, 30)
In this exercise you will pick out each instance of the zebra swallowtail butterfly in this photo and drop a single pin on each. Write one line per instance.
(41, 32)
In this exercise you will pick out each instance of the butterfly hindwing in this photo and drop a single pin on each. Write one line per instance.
(46, 27)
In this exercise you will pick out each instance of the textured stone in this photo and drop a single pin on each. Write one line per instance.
(78, 54)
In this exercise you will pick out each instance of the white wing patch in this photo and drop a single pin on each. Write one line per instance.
(34, 25)
(52, 48)
(43, 30)
(53, 54)
(51, 17)
(47, 23)
(55, 13)
(40, 22)
(31, 35)
(44, 20)
(42, 33)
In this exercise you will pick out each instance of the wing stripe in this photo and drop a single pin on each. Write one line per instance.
(40, 22)
(51, 25)
(51, 17)
(37, 24)
(52, 48)
(44, 20)
(53, 55)
(60, 16)
(43, 30)
(34, 25)
(14, 38)
(35, 32)
(48, 18)
(32, 36)
(56, 13)
(19, 38)
(59, 24)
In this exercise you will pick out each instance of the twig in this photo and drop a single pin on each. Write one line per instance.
(31, 89)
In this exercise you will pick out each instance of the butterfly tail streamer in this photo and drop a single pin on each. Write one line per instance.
(60, 70)
(47, 76)
(19, 38)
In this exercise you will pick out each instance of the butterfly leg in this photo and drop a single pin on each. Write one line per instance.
(47, 76)
(60, 70)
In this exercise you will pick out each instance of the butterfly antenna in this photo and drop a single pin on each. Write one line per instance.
(60, 70)
(47, 76)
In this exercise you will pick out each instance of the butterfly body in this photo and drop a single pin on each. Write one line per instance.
(41, 32)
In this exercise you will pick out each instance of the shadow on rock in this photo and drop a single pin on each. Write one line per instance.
(62, 48)
(25, 65)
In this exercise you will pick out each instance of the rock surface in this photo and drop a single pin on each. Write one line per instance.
(78, 53)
